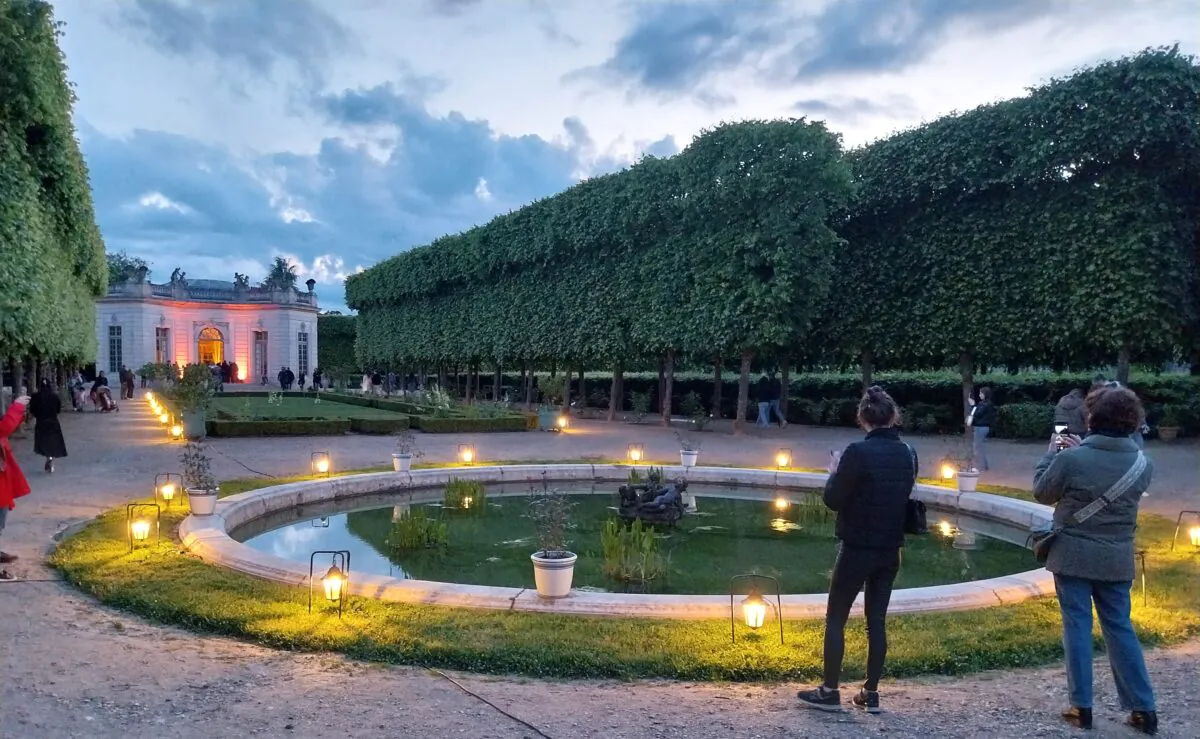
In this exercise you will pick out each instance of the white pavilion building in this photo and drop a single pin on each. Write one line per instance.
(207, 322)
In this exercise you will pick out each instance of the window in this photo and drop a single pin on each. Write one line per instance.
(260, 356)
(302, 348)
(162, 345)
(115, 358)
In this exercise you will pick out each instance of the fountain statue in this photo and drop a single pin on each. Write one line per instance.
(652, 502)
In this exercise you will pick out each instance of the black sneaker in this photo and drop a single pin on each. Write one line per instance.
(868, 700)
(1144, 721)
(1078, 717)
(822, 699)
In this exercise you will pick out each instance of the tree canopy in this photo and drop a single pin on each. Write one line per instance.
(1057, 227)
(52, 260)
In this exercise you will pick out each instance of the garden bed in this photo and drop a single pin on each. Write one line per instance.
(161, 584)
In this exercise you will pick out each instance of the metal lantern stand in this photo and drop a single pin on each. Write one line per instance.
(315, 459)
(754, 580)
(163, 479)
(1179, 523)
(337, 554)
(131, 514)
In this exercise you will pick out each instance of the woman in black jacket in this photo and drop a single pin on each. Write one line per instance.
(48, 439)
(983, 416)
(869, 488)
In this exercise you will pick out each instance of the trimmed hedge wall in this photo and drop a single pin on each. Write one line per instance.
(458, 425)
(379, 425)
(301, 427)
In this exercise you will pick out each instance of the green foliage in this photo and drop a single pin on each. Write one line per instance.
(193, 391)
(155, 371)
(695, 410)
(550, 511)
(281, 427)
(53, 266)
(197, 467)
(123, 268)
(1024, 421)
(416, 530)
(282, 276)
(469, 496)
(552, 388)
(335, 347)
(631, 554)
(639, 403)
(1172, 415)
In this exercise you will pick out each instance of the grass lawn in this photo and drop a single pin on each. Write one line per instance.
(254, 408)
(164, 585)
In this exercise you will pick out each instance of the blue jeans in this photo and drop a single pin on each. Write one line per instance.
(3, 518)
(1075, 597)
(981, 434)
(777, 411)
(764, 414)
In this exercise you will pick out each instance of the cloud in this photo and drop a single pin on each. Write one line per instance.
(675, 47)
(451, 7)
(258, 36)
(849, 109)
(682, 49)
(178, 202)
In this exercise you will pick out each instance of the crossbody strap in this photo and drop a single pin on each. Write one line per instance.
(1119, 488)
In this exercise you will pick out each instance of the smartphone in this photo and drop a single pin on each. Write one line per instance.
(1060, 429)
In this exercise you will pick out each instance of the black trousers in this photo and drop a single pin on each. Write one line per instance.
(871, 572)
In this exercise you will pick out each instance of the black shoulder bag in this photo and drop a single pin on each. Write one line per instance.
(1041, 539)
(915, 521)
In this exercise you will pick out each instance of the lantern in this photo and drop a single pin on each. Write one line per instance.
(140, 518)
(948, 471)
(166, 486)
(781, 504)
(754, 605)
(335, 581)
(783, 458)
(1193, 531)
(754, 609)
(635, 453)
(320, 463)
(466, 501)
(562, 422)
(176, 431)
(946, 529)
(1194, 536)
(164, 418)
(149, 396)
(466, 453)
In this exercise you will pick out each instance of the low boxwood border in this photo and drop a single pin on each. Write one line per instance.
(459, 425)
(164, 585)
(280, 427)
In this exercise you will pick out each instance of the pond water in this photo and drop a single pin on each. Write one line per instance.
(729, 534)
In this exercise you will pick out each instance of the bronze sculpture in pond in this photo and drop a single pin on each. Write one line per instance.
(652, 502)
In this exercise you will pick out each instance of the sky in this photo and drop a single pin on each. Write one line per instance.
(222, 133)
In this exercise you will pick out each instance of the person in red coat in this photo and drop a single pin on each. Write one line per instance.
(12, 482)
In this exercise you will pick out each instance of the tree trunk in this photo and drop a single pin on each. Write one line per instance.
(743, 400)
(527, 379)
(441, 376)
(662, 382)
(1123, 363)
(966, 369)
(868, 368)
(581, 392)
(785, 379)
(718, 386)
(614, 396)
(566, 396)
(668, 387)
(497, 382)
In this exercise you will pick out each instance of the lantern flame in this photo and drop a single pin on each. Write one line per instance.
(333, 581)
(140, 529)
(754, 610)
(167, 491)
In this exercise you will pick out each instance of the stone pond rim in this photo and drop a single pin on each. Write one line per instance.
(208, 538)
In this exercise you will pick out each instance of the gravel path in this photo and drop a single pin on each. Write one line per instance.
(71, 668)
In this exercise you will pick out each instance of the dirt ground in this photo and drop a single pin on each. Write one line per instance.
(71, 668)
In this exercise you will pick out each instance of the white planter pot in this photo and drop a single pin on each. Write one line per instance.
(553, 575)
(967, 481)
(688, 459)
(202, 502)
(689, 502)
(401, 462)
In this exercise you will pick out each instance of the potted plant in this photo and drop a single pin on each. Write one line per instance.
(553, 565)
(198, 481)
(406, 451)
(1169, 422)
(962, 460)
(689, 450)
(191, 394)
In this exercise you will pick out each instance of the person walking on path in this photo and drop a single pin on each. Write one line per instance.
(1095, 485)
(762, 396)
(13, 484)
(982, 418)
(869, 488)
(776, 396)
(48, 439)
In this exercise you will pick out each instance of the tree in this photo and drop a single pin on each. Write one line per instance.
(282, 275)
(122, 268)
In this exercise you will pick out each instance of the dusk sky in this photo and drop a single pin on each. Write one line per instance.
(221, 133)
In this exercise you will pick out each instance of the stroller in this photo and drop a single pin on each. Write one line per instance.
(102, 398)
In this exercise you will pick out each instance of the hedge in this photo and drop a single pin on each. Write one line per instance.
(460, 425)
(298, 427)
(379, 425)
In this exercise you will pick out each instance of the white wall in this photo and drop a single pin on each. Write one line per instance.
(138, 319)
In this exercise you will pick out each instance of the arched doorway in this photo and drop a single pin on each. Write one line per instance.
(210, 346)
